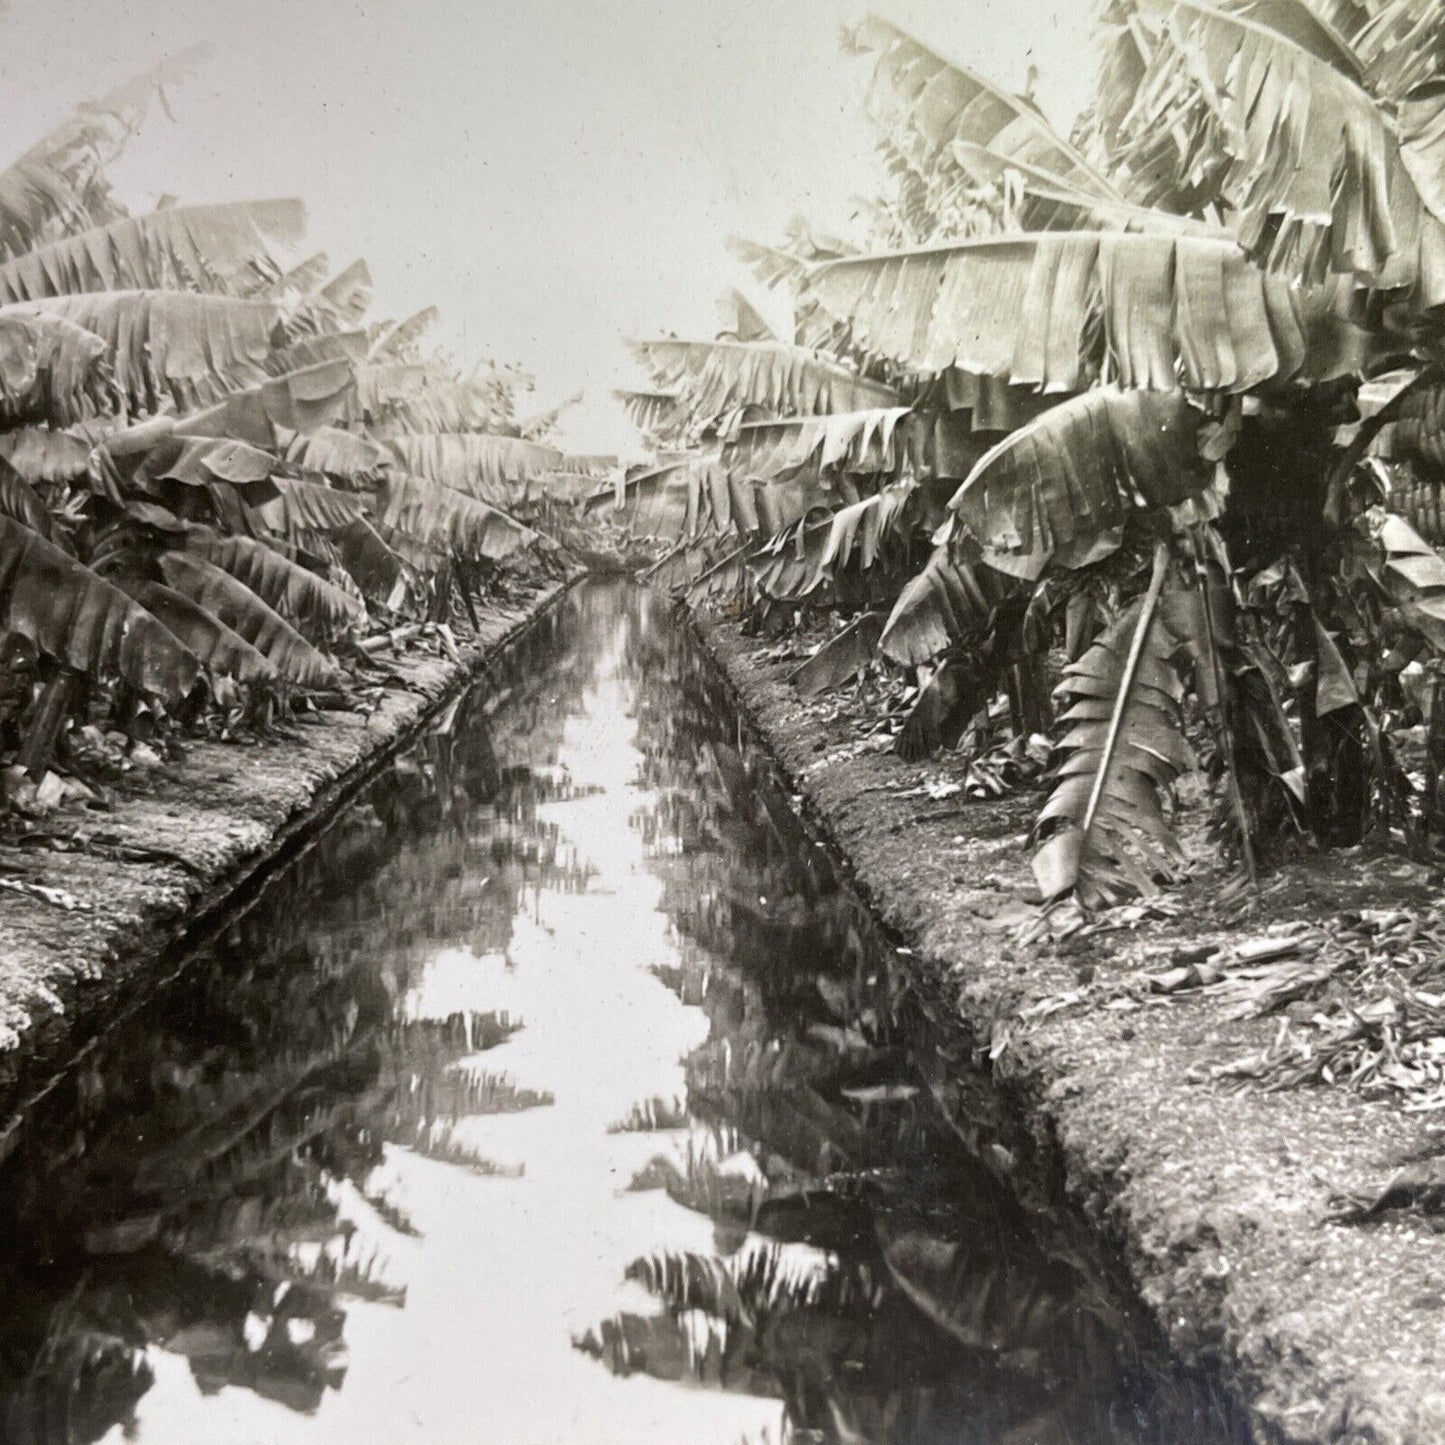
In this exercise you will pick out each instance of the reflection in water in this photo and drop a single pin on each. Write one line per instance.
(563, 1073)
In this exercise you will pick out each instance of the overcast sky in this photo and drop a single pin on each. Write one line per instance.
(553, 173)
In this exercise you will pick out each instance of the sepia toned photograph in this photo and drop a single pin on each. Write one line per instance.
(722, 723)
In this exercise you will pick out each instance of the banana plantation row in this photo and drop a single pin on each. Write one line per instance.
(218, 482)
(1133, 439)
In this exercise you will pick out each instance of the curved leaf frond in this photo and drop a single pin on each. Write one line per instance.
(1175, 310)
(715, 377)
(68, 611)
(313, 396)
(1124, 745)
(218, 647)
(796, 565)
(59, 184)
(1410, 572)
(657, 414)
(302, 506)
(233, 603)
(400, 340)
(498, 470)
(19, 501)
(227, 248)
(950, 602)
(1078, 470)
(376, 568)
(301, 597)
(169, 345)
(450, 521)
(689, 499)
(312, 350)
(51, 370)
(334, 305)
(400, 398)
(200, 461)
(350, 456)
(922, 104)
(895, 442)
(1307, 163)
(41, 455)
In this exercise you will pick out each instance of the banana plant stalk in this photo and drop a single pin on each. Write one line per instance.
(1224, 734)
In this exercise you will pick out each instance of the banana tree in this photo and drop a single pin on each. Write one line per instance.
(1164, 329)
(192, 501)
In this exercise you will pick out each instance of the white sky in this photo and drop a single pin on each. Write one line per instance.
(554, 174)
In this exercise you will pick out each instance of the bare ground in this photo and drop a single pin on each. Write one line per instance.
(178, 845)
(1223, 1199)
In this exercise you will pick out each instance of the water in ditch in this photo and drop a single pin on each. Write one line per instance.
(561, 1093)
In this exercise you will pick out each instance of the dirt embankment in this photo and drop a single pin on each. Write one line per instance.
(108, 895)
(1223, 1200)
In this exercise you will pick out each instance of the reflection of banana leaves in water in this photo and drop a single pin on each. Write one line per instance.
(1022, 1311)
(217, 1123)
(814, 1123)
(80, 1384)
(849, 1358)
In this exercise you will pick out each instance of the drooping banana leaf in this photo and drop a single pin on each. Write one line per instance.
(229, 249)
(450, 521)
(501, 471)
(218, 647)
(1176, 310)
(307, 506)
(1307, 162)
(683, 501)
(298, 401)
(376, 568)
(346, 455)
(72, 614)
(893, 441)
(841, 657)
(404, 398)
(59, 184)
(19, 500)
(922, 104)
(311, 350)
(951, 601)
(1106, 833)
(334, 305)
(40, 454)
(1410, 572)
(715, 377)
(51, 371)
(794, 566)
(658, 414)
(1078, 470)
(199, 461)
(169, 345)
(1418, 431)
(234, 604)
(1397, 41)
(300, 281)
(946, 704)
(399, 341)
(301, 597)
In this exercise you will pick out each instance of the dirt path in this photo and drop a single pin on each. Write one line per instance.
(177, 844)
(1219, 1197)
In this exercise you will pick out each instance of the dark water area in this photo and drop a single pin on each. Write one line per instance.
(562, 1092)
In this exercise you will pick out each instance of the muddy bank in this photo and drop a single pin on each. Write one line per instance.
(1220, 1200)
(181, 843)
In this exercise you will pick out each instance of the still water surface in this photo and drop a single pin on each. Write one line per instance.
(562, 1093)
